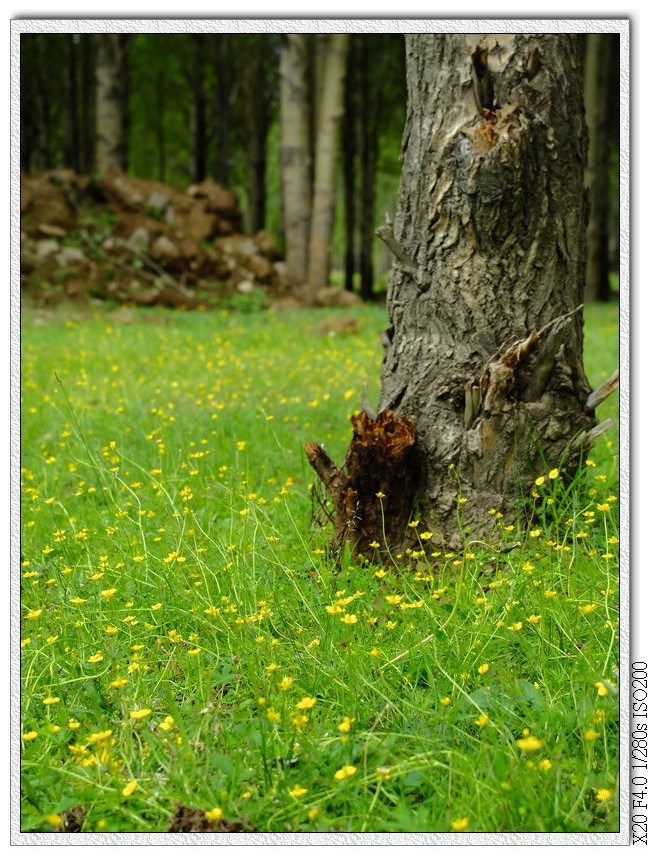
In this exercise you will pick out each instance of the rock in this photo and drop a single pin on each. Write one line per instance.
(164, 248)
(157, 203)
(267, 245)
(139, 239)
(333, 296)
(71, 255)
(51, 230)
(45, 248)
(246, 286)
(260, 267)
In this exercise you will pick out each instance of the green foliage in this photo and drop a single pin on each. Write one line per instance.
(185, 637)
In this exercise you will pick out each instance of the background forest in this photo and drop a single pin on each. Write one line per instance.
(185, 107)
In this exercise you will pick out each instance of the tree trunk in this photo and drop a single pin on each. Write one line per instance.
(598, 59)
(87, 128)
(296, 154)
(257, 74)
(484, 344)
(71, 139)
(369, 153)
(350, 163)
(223, 76)
(483, 352)
(200, 129)
(111, 119)
(326, 151)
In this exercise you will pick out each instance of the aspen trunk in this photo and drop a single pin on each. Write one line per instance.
(329, 118)
(296, 154)
(112, 79)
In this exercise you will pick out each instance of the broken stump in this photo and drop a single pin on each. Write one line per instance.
(373, 493)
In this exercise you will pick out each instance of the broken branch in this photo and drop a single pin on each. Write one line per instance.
(601, 393)
(385, 233)
(586, 438)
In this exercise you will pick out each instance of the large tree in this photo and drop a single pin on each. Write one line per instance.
(483, 386)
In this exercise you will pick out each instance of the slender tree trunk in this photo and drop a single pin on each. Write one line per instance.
(71, 144)
(112, 86)
(223, 76)
(161, 141)
(87, 126)
(598, 61)
(296, 155)
(198, 91)
(350, 154)
(369, 153)
(322, 214)
(257, 115)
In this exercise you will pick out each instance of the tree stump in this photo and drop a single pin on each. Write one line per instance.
(374, 491)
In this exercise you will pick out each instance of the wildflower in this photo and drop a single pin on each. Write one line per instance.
(533, 619)
(345, 772)
(54, 821)
(315, 642)
(445, 701)
(545, 764)
(299, 721)
(137, 714)
(306, 703)
(118, 683)
(383, 773)
(460, 824)
(29, 736)
(273, 667)
(603, 795)
(535, 533)
(33, 614)
(194, 651)
(285, 683)
(482, 721)
(539, 481)
(108, 593)
(483, 668)
(587, 608)
(167, 724)
(603, 507)
(298, 791)
(213, 815)
(393, 599)
(130, 787)
(346, 723)
(50, 701)
(380, 495)
(94, 738)
(96, 658)
(349, 619)
(516, 627)
(553, 474)
(273, 715)
(530, 743)
(591, 735)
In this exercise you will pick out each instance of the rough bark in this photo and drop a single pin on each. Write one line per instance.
(598, 62)
(111, 75)
(296, 154)
(326, 152)
(484, 345)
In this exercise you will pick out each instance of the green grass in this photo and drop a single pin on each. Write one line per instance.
(170, 569)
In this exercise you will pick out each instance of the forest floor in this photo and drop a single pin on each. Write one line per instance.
(192, 660)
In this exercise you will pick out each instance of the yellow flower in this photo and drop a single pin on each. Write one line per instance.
(108, 593)
(393, 599)
(50, 701)
(29, 736)
(516, 627)
(345, 724)
(483, 668)
(553, 474)
(539, 481)
(137, 714)
(345, 772)
(285, 683)
(603, 795)
(306, 703)
(592, 735)
(213, 815)
(298, 791)
(482, 721)
(535, 533)
(445, 701)
(530, 743)
(587, 608)
(118, 683)
(460, 824)
(33, 614)
(273, 715)
(130, 787)
(78, 601)
(167, 724)
(54, 820)
(96, 658)
(545, 764)
(534, 620)
(349, 619)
